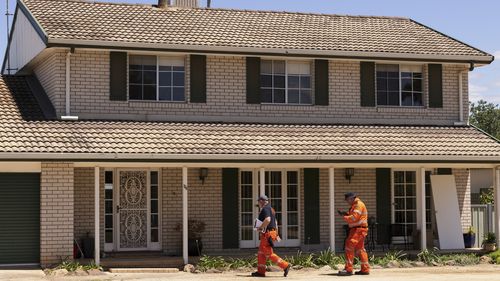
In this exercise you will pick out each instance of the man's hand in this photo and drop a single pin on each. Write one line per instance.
(342, 213)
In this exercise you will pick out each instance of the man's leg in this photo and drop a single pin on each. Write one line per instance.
(262, 256)
(278, 261)
(350, 244)
(361, 252)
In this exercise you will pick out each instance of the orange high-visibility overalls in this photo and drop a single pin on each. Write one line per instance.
(266, 251)
(357, 219)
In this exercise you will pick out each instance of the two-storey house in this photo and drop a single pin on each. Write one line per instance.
(123, 122)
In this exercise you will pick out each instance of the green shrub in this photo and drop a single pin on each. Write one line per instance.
(242, 263)
(207, 262)
(72, 266)
(429, 257)
(495, 256)
(461, 259)
(326, 257)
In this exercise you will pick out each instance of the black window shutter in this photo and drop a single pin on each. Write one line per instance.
(198, 77)
(444, 171)
(253, 80)
(118, 76)
(321, 82)
(383, 193)
(435, 85)
(230, 229)
(367, 79)
(311, 206)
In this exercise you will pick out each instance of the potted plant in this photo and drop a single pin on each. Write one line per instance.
(195, 229)
(489, 242)
(470, 237)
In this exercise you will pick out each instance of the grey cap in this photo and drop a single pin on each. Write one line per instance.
(263, 197)
(350, 194)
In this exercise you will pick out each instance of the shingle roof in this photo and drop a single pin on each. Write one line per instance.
(24, 130)
(119, 23)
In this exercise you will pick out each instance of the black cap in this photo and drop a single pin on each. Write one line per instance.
(350, 194)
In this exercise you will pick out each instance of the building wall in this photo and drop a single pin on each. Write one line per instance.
(480, 178)
(56, 212)
(462, 180)
(226, 96)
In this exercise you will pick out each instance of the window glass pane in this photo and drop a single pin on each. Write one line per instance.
(154, 177)
(149, 77)
(246, 177)
(178, 94)
(406, 84)
(108, 222)
(293, 81)
(154, 220)
(381, 84)
(246, 191)
(154, 235)
(411, 203)
(293, 232)
(135, 77)
(305, 97)
(293, 96)
(135, 92)
(393, 75)
(165, 68)
(411, 177)
(165, 79)
(108, 177)
(266, 81)
(406, 75)
(279, 96)
(142, 60)
(399, 190)
(410, 190)
(399, 177)
(292, 205)
(266, 66)
(279, 67)
(149, 92)
(154, 192)
(292, 178)
(292, 191)
(393, 85)
(417, 75)
(279, 81)
(266, 95)
(407, 99)
(165, 93)
(417, 85)
(246, 219)
(411, 217)
(393, 98)
(417, 99)
(154, 206)
(382, 98)
(178, 68)
(178, 79)
(399, 217)
(108, 206)
(247, 205)
(109, 236)
(246, 233)
(305, 82)
(108, 194)
(293, 219)
(399, 203)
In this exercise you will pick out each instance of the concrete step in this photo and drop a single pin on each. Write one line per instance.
(144, 270)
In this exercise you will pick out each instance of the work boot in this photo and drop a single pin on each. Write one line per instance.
(344, 272)
(362, 273)
(257, 274)
(285, 272)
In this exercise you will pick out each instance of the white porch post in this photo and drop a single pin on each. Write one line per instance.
(97, 243)
(262, 187)
(331, 178)
(423, 221)
(496, 176)
(185, 215)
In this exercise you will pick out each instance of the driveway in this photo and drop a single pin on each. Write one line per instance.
(470, 273)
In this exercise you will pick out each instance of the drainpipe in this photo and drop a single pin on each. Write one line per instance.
(67, 115)
(461, 98)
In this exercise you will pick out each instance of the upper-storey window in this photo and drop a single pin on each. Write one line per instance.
(157, 78)
(399, 85)
(285, 82)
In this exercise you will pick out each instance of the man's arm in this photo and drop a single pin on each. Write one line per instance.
(265, 223)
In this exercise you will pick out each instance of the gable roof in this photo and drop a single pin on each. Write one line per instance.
(224, 30)
(26, 133)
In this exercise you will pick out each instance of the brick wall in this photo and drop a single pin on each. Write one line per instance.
(226, 100)
(56, 212)
(84, 202)
(462, 180)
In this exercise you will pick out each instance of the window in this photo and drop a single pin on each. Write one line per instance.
(405, 201)
(285, 82)
(108, 207)
(156, 78)
(155, 213)
(399, 85)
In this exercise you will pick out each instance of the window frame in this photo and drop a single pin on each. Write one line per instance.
(287, 61)
(400, 86)
(157, 56)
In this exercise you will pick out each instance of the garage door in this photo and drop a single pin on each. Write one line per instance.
(19, 218)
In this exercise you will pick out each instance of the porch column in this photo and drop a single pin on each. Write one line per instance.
(97, 243)
(185, 215)
(496, 176)
(331, 178)
(262, 187)
(423, 221)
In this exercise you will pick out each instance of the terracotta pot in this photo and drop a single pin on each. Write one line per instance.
(489, 247)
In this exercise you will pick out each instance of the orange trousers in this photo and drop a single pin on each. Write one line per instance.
(266, 252)
(355, 243)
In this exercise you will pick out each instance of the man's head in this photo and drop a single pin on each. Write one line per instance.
(350, 197)
(263, 200)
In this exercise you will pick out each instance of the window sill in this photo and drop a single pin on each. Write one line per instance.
(286, 104)
(413, 109)
(158, 101)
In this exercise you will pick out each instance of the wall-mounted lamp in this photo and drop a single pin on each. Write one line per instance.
(349, 172)
(203, 174)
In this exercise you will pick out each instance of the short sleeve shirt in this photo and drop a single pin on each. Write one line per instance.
(267, 211)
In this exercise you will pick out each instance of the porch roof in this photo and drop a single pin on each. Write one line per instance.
(25, 132)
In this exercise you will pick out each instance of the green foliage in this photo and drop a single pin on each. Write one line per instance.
(394, 256)
(207, 262)
(495, 256)
(242, 263)
(71, 266)
(327, 257)
(489, 238)
(429, 257)
(301, 259)
(487, 197)
(461, 259)
(486, 116)
(471, 230)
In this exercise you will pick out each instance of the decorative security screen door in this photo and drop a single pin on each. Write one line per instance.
(133, 210)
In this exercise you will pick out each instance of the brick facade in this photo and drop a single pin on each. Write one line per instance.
(462, 180)
(56, 212)
(226, 96)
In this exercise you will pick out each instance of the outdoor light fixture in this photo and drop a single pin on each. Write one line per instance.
(349, 172)
(203, 174)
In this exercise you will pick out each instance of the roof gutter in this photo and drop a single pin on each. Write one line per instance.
(55, 42)
(246, 157)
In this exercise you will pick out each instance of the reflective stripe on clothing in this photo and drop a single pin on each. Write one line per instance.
(357, 215)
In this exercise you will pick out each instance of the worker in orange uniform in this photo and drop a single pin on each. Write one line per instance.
(357, 219)
(268, 232)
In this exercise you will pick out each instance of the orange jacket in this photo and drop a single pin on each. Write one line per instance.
(357, 215)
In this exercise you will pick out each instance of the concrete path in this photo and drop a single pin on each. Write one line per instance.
(470, 273)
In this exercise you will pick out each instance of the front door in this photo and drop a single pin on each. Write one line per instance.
(282, 188)
(133, 211)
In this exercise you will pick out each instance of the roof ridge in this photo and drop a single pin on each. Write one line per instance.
(233, 10)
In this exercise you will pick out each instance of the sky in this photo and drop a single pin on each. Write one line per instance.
(475, 22)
